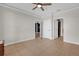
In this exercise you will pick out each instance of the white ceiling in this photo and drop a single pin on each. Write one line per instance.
(49, 10)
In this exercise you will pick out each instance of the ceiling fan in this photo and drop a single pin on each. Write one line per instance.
(40, 5)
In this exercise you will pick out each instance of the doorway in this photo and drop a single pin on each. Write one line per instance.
(37, 30)
(60, 27)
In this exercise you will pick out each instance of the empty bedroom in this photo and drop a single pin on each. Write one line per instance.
(39, 29)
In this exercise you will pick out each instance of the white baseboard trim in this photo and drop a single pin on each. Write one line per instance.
(18, 41)
(71, 42)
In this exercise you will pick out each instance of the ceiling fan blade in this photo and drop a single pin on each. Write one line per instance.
(34, 3)
(34, 8)
(37, 3)
(45, 4)
(42, 8)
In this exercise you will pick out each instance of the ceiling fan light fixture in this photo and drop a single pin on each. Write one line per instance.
(39, 6)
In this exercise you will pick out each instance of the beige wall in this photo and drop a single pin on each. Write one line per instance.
(47, 28)
(70, 23)
(15, 26)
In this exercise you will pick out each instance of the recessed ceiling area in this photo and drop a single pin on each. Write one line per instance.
(49, 10)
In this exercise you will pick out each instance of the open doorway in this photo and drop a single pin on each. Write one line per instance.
(37, 30)
(60, 27)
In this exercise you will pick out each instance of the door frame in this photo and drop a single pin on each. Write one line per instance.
(61, 27)
(36, 31)
(55, 28)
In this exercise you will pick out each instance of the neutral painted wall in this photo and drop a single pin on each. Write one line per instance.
(47, 28)
(1, 26)
(15, 26)
(70, 23)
